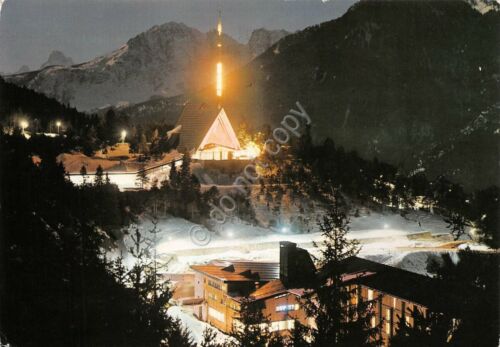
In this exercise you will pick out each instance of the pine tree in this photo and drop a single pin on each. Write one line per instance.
(185, 173)
(251, 330)
(457, 224)
(300, 336)
(83, 172)
(99, 179)
(471, 288)
(155, 294)
(173, 175)
(156, 149)
(189, 188)
(142, 178)
(276, 340)
(142, 147)
(178, 336)
(426, 331)
(209, 338)
(338, 323)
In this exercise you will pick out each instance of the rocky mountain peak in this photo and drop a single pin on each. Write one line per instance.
(261, 39)
(23, 69)
(57, 58)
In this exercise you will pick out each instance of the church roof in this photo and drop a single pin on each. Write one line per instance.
(204, 124)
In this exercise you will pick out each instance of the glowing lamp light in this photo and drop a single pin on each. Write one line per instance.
(284, 229)
(386, 226)
(219, 27)
(58, 124)
(230, 234)
(124, 135)
(24, 124)
(219, 79)
(253, 151)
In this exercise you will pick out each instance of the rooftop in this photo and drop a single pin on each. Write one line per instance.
(73, 163)
(226, 273)
(403, 284)
(196, 119)
(273, 288)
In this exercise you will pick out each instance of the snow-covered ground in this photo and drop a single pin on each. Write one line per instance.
(195, 326)
(386, 238)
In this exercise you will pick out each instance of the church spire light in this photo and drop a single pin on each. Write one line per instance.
(219, 85)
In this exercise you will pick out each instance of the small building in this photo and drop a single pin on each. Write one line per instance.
(120, 170)
(207, 133)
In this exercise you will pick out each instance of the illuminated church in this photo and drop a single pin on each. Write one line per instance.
(205, 130)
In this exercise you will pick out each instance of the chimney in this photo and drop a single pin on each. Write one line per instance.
(287, 263)
(297, 269)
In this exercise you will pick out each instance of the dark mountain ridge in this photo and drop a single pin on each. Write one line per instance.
(389, 79)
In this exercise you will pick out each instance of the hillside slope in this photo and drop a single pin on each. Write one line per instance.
(390, 79)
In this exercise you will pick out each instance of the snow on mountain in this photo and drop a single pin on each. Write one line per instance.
(166, 60)
(57, 58)
(484, 6)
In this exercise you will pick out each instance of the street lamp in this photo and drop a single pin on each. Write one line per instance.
(58, 123)
(24, 124)
(124, 134)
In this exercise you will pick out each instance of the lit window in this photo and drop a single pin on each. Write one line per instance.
(370, 294)
(282, 325)
(388, 328)
(216, 314)
(388, 314)
(286, 308)
(374, 322)
(394, 302)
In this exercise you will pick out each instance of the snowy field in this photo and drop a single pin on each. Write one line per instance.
(385, 238)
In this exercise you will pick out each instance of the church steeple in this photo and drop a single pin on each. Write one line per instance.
(219, 85)
(219, 28)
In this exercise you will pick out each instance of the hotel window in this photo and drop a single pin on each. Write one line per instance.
(282, 325)
(394, 302)
(286, 308)
(214, 284)
(388, 324)
(216, 314)
(370, 294)
(407, 319)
